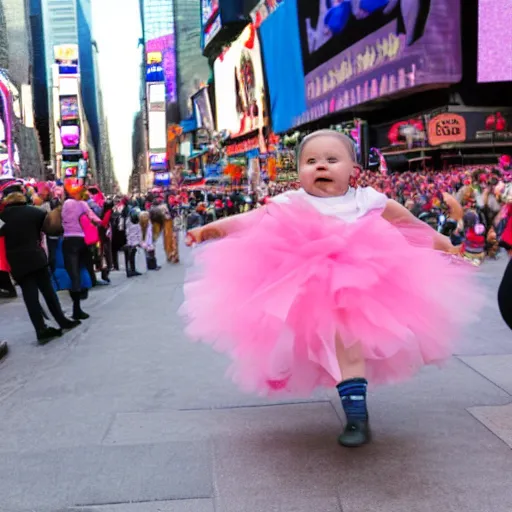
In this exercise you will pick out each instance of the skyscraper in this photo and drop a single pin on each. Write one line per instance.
(193, 67)
(88, 71)
(40, 77)
(157, 17)
(60, 26)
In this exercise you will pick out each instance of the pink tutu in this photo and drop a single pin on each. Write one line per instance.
(274, 295)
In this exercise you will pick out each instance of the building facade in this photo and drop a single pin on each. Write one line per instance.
(193, 68)
(18, 107)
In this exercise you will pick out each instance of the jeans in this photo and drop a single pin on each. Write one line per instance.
(31, 285)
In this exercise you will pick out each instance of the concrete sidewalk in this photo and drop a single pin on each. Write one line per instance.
(125, 415)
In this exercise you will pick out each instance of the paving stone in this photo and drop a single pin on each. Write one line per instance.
(95, 475)
(203, 505)
(496, 368)
(497, 419)
(170, 426)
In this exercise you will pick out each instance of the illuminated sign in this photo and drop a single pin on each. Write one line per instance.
(65, 52)
(446, 129)
(158, 162)
(154, 58)
(155, 73)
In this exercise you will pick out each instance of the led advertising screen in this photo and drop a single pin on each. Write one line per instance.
(166, 46)
(239, 85)
(494, 41)
(69, 108)
(203, 109)
(352, 52)
(386, 46)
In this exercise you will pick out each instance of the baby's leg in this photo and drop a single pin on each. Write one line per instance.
(352, 392)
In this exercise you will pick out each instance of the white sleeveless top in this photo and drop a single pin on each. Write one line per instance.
(350, 207)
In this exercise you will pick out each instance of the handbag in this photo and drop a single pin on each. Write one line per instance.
(91, 234)
(53, 222)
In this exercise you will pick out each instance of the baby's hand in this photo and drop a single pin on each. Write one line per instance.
(193, 237)
(198, 235)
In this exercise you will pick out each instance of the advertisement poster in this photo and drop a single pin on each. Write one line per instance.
(494, 41)
(166, 47)
(69, 108)
(239, 85)
(357, 51)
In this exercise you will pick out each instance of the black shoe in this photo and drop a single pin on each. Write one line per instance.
(136, 274)
(48, 334)
(81, 315)
(3, 349)
(356, 434)
(70, 324)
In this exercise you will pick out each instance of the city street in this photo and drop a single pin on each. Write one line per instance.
(123, 414)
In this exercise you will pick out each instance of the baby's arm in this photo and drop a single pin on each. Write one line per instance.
(224, 227)
(398, 214)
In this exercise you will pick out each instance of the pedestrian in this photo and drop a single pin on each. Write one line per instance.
(321, 288)
(22, 229)
(147, 241)
(74, 246)
(133, 241)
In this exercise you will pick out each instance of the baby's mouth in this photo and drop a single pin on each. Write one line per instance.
(323, 180)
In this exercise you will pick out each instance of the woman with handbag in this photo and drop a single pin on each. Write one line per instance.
(77, 222)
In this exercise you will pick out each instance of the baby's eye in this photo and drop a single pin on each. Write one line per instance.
(332, 160)
(311, 161)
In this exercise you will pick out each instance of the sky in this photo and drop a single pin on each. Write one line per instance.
(117, 29)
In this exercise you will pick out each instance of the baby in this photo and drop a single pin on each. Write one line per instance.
(344, 269)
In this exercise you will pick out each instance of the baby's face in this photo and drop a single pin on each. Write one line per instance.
(325, 167)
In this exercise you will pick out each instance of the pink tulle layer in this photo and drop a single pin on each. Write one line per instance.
(274, 295)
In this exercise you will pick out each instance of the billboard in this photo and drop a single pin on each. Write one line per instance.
(203, 109)
(494, 53)
(157, 131)
(239, 85)
(155, 73)
(166, 47)
(352, 52)
(70, 136)
(209, 9)
(66, 56)
(158, 162)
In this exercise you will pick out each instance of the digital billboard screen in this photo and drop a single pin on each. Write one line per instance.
(386, 47)
(239, 85)
(70, 136)
(69, 108)
(353, 52)
(166, 47)
(494, 41)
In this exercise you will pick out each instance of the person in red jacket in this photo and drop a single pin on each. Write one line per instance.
(105, 232)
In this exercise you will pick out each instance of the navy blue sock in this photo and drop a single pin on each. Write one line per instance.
(353, 399)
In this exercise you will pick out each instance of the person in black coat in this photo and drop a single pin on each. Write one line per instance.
(505, 295)
(22, 227)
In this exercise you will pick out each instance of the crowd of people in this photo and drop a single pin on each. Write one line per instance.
(78, 232)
